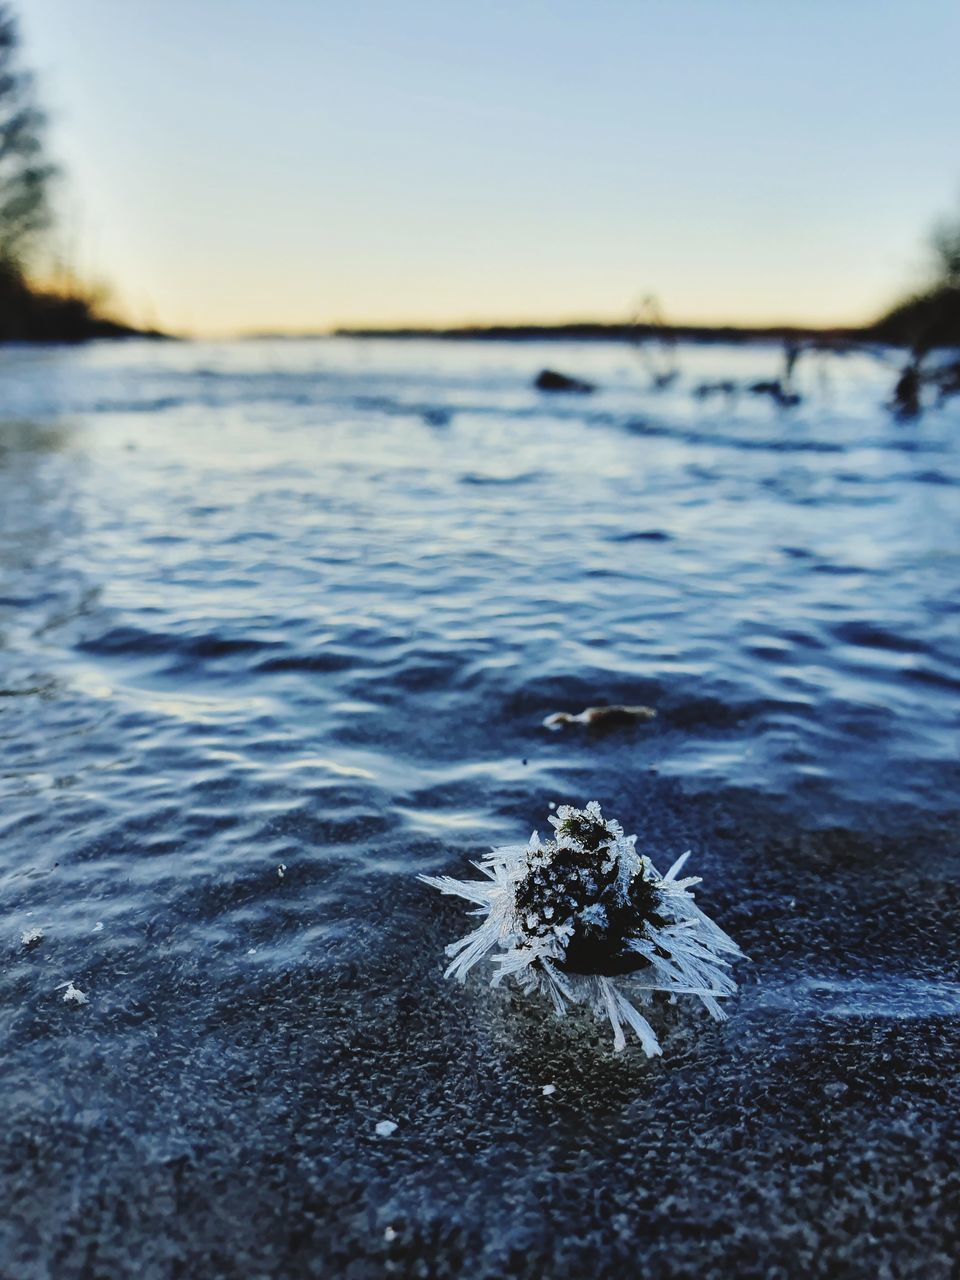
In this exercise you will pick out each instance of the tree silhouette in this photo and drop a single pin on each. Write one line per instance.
(29, 312)
(25, 172)
(930, 318)
(945, 243)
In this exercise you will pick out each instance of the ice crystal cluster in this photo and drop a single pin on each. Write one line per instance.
(584, 918)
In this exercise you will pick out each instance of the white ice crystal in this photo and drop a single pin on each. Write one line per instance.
(73, 995)
(585, 918)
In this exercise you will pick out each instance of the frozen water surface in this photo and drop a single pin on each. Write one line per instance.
(280, 624)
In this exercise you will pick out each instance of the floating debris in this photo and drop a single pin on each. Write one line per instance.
(73, 995)
(568, 917)
(906, 394)
(600, 717)
(777, 392)
(548, 1090)
(704, 390)
(656, 343)
(30, 937)
(551, 380)
(947, 380)
(385, 1128)
(792, 350)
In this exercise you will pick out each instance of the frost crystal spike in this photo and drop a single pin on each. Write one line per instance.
(585, 918)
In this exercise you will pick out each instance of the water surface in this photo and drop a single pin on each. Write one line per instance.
(279, 625)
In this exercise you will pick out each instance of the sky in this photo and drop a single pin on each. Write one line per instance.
(239, 166)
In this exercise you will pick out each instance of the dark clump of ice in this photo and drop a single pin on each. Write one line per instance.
(573, 884)
(282, 634)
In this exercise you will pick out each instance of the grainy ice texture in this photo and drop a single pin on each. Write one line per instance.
(280, 625)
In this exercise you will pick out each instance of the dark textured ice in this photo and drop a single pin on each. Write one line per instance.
(257, 611)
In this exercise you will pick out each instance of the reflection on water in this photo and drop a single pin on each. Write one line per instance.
(308, 604)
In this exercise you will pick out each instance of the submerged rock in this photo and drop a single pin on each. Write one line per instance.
(551, 380)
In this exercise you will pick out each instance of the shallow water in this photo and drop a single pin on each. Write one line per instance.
(304, 605)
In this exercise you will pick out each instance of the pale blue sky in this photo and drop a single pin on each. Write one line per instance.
(291, 164)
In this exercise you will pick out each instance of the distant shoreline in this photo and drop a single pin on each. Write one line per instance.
(924, 322)
(81, 328)
(592, 331)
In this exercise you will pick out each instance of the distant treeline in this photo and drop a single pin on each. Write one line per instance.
(922, 323)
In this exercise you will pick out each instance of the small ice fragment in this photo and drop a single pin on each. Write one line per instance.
(251, 951)
(98, 927)
(385, 1128)
(389, 1233)
(30, 937)
(548, 1089)
(600, 717)
(73, 995)
(282, 870)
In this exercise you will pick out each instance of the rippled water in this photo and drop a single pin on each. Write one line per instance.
(304, 605)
